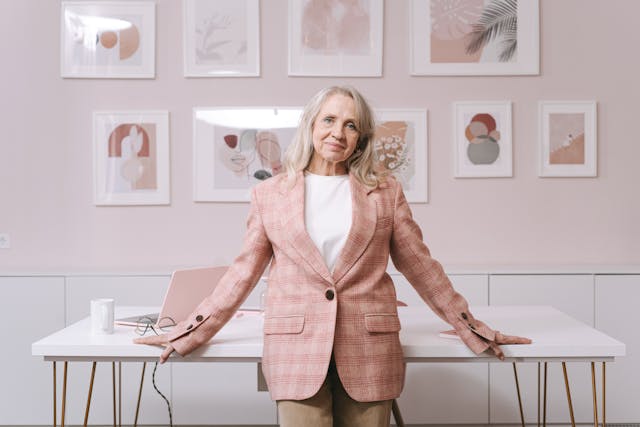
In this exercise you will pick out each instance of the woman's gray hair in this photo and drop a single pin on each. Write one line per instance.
(360, 163)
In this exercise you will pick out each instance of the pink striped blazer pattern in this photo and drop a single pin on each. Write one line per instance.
(312, 313)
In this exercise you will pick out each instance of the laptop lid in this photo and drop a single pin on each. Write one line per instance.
(187, 288)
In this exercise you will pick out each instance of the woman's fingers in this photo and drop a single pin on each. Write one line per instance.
(511, 339)
(152, 340)
(166, 353)
(497, 351)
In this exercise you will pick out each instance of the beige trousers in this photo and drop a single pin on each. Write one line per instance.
(332, 407)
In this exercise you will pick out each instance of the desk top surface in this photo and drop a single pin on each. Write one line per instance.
(556, 336)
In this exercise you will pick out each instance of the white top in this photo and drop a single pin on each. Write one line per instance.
(327, 213)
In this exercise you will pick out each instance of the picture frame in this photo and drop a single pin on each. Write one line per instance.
(567, 139)
(221, 38)
(131, 158)
(235, 148)
(107, 39)
(500, 37)
(345, 40)
(400, 145)
(482, 139)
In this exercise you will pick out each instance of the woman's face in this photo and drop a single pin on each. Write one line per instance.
(335, 134)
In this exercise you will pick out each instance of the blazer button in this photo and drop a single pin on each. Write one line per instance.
(464, 316)
(329, 294)
(189, 327)
(199, 318)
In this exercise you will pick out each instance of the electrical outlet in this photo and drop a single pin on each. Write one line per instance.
(5, 241)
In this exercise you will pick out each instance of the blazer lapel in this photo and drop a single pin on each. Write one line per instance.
(363, 224)
(293, 223)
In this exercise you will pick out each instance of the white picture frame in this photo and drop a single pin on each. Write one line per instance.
(235, 148)
(131, 158)
(221, 38)
(343, 41)
(107, 39)
(567, 139)
(400, 145)
(440, 37)
(482, 139)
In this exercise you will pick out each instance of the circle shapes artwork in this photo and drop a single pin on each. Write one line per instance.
(483, 137)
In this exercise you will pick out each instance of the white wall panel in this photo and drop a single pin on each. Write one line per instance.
(572, 294)
(30, 309)
(617, 300)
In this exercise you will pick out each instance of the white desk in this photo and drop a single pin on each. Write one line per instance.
(556, 338)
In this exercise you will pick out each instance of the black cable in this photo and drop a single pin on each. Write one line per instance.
(153, 380)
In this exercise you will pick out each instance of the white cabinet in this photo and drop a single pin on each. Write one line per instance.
(572, 294)
(126, 290)
(617, 300)
(30, 308)
(434, 393)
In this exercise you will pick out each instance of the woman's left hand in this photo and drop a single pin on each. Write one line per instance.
(158, 340)
(494, 346)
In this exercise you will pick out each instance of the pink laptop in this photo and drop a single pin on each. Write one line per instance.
(186, 290)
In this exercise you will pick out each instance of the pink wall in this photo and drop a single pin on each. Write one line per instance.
(588, 51)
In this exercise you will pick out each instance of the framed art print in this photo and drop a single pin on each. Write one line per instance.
(337, 38)
(236, 148)
(568, 139)
(221, 38)
(107, 39)
(474, 37)
(482, 139)
(131, 157)
(400, 148)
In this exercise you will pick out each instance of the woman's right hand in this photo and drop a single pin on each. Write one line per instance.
(161, 340)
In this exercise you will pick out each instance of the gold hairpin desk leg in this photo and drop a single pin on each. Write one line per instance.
(93, 375)
(544, 404)
(604, 396)
(515, 374)
(135, 422)
(64, 392)
(119, 394)
(55, 397)
(113, 381)
(595, 398)
(538, 394)
(395, 409)
(566, 385)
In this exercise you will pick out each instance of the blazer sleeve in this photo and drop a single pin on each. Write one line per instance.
(412, 258)
(232, 289)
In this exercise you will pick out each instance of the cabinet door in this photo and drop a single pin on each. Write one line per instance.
(30, 309)
(617, 315)
(434, 393)
(126, 290)
(572, 294)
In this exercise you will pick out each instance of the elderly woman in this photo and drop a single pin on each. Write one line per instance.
(326, 228)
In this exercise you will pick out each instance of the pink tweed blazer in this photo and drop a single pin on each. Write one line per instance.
(312, 313)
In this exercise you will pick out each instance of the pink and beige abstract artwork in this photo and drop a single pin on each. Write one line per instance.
(566, 138)
(472, 31)
(483, 135)
(132, 158)
(336, 27)
(244, 157)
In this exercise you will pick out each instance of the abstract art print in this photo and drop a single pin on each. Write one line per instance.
(236, 148)
(474, 37)
(568, 143)
(335, 37)
(131, 157)
(400, 148)
(221, 38)
(107, 39)
(482, 146)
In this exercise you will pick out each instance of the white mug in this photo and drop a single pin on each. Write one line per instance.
(102, 316)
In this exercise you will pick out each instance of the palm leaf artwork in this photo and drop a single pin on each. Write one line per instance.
(499, 19)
